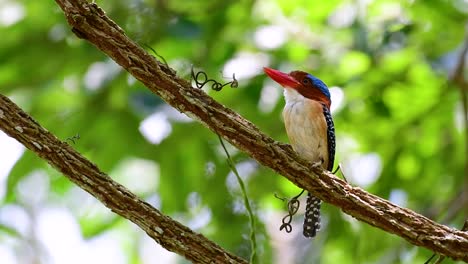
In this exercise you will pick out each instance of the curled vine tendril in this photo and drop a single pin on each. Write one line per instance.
(293, 207)
(201, 79)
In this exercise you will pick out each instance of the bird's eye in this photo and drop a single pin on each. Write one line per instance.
(305, 81)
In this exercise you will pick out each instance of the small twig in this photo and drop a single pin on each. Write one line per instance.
(337, 169)
(342, 172)
(72, 139)
(253, 240)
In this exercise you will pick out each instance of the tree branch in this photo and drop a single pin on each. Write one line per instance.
(169, 233)
(90, 22)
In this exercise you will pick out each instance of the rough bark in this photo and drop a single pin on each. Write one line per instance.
(90, 22)
(171, 234)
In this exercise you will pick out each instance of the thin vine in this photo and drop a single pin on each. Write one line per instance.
(253, 244)
(217, 86)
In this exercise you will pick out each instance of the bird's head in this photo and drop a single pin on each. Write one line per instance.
(304, 83)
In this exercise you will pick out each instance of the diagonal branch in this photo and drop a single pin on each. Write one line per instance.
(90, 22)
(170, 234)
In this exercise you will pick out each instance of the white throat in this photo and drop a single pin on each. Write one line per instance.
(292, 96)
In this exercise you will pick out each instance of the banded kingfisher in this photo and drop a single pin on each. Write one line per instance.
(310, 128)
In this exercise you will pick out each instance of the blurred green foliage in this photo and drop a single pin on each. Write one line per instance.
(399, 120)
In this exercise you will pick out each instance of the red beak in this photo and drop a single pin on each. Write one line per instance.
(282, 78)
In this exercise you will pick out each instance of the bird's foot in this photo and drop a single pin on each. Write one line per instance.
(317, 164)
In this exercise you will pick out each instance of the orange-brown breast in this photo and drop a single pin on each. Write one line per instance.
(307, 129)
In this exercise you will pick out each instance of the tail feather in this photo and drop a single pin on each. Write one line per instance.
(312, 216)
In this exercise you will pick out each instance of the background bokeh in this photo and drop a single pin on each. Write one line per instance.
(399, 120)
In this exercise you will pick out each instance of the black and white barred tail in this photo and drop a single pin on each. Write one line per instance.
(312, 216)
(312, 213)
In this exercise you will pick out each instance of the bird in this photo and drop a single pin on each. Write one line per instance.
(310, 129)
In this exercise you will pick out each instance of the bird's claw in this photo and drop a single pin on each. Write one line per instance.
(317, 164)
